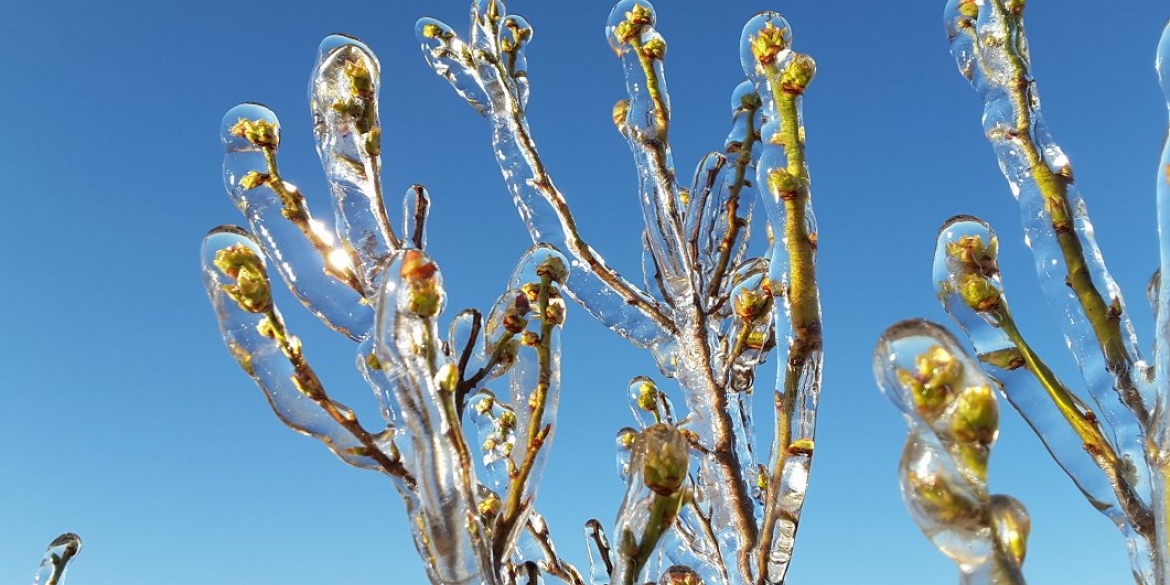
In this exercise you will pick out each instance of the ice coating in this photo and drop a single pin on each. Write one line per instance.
(655, 491)
(645, 125)
(57, 557)
(343, 97)
(318, 271)
(991, 50)
(237, 284)
(406, 336)
(617, 303)
(708, 313)
(781, 76)
(968, 284)
(416, 206)
(950, 409)
(1162, 314)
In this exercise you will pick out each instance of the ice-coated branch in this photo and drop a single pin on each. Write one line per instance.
(236, 278)
(781, 76)
(479, 71)
(644, 120)
(953, 420)
(1112, 447)
(57, 557)
(989, 45)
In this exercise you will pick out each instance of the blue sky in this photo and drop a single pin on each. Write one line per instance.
(124, 419)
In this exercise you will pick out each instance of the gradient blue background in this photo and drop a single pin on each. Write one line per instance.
(124, 419)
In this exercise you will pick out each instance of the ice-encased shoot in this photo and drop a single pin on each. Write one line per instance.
(953, 419)
(1109, 435)
(466, 460)
(709, 311)
(57, 557)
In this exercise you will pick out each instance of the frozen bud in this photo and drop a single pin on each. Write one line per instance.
(554, 268)
(360, 80)
(490, 506)
(976, 415)
(252, 290)
(655, 49)
(434, 31)
(751, 305)
(555, 312)
(626, 438)
(974, 254)
(680, 575)
(262, 133)
(1015, 7)
(979, 293)
(516, 315)
(484, 405)
(419, 274)
(530, 339)
(631, 27)
(938, 367)
(664, 456)
(447, 378)
(253, 179)
(620, 111)
(531, 290)
(1011, 526)
(508, 352)
(928, 400)
(507, 420)
(783, 184)
(769, 43)
(646, 395)
(969, 9)
(798, 73)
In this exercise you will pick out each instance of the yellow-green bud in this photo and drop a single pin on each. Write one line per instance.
(969, 9)
(253, 179)
(252, 290)
(978, 292)
(798, 74)
(783, 184)
(419, 275)
(752, 305)
(622, 109)
(262, 133)
(664, 456)
(554, 268)
(647, 396)
(976, 418)
(769, 43)
(655, 49)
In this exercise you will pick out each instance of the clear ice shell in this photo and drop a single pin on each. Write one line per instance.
(343, 98)
(300, 264)
(264, 359)
(56, 559)
(1020, 387)
(406, 336)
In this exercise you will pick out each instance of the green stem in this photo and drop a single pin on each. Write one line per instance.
(537, 431)
(803, 299)
(1104, 318)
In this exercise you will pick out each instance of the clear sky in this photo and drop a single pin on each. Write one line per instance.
(123, 418)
